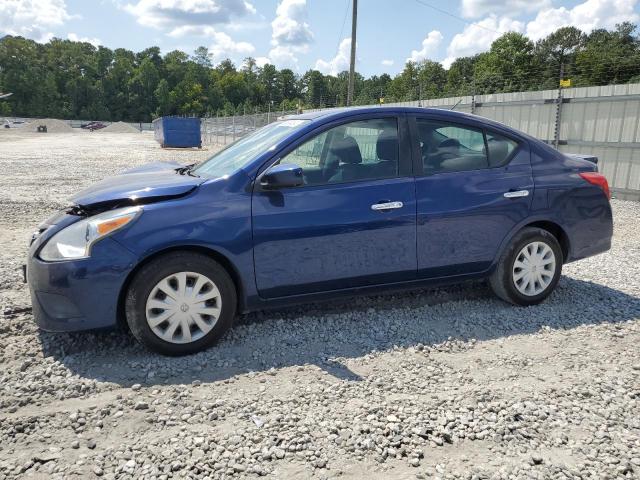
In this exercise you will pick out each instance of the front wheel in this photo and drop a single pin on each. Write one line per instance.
(180, 303)
(529, 269)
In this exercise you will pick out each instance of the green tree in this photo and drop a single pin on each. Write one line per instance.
(202, 57)
(609, 56)
(460, 76)
(163, 99)
(558, 49)
(508, 66)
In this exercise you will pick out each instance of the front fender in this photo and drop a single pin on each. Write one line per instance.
(216, 218)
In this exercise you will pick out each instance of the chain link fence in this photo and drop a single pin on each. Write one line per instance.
(224, 130)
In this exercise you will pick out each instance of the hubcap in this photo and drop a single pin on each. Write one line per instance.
(183, 307)
(534, 268)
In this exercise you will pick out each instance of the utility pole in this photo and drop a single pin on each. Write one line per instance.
(352, 63)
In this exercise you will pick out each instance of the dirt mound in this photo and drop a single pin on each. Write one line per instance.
(53, 126)
(119, 127)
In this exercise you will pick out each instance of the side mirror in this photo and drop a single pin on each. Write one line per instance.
(282, 176)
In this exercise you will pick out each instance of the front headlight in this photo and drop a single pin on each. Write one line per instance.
(75, 241)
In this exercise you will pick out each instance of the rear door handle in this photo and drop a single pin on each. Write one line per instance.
(517, 194)
(387, 206)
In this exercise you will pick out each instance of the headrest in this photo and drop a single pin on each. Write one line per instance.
(449, 142)
(498, 150)
(387, 145)
(347, 150)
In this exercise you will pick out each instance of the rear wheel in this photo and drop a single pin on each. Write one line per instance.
(529, 269)
(180, 303)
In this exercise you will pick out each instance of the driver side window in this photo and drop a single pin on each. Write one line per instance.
(356, 151)
(450, 148)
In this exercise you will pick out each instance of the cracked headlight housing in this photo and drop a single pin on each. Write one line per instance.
(74, 242)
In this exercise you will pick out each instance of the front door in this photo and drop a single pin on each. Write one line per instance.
(353, 221)
(476, 186)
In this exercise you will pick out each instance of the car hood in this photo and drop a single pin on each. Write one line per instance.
(146, 184)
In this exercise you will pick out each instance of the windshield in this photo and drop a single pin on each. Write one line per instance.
(238, 154)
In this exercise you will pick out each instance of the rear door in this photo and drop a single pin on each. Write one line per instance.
(475, 186)
(351, 224)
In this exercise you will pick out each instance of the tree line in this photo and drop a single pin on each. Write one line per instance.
(76, 80)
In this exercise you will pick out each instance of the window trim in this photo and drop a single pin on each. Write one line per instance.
(405, 155)
(418, 166)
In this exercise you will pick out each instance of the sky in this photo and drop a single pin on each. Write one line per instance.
(304, 34)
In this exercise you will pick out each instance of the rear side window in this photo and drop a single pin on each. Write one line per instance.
(450, 148)
(499, 149)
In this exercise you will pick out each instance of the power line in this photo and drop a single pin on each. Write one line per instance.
(344, 20)
(421, 2)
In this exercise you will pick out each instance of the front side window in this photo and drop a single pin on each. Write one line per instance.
(362, 150)
(450, 148)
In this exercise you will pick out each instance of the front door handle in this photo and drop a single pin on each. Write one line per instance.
(386, 206)
(517, 194)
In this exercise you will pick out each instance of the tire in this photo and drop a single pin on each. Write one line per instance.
(189, 323)
(509, 280)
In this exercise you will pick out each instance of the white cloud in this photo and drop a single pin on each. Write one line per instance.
(177, 13)
(92, 40)
(32, 18)
(339, 63)
(387, 63)
(289, 26)
(481, 8)
(191, 31)
(285, 57)
(478, 37)
(429, 47)
(586, 16)
(223, 45)
(262, 61)
(291, 34)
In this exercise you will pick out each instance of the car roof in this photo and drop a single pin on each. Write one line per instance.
(322, 116)
(344, 112)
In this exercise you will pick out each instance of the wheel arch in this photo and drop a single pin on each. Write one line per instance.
(544, 223)
(210, 252)
(557, 231)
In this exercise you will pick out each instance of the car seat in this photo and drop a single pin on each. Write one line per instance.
(350, 167)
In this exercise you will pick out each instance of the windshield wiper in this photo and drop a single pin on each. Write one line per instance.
(187, 170)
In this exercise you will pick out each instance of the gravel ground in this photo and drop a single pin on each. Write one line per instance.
(446, 383)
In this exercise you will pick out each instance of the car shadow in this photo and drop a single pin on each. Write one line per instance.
(328, 334)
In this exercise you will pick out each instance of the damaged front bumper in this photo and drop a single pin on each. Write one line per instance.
(79, 294)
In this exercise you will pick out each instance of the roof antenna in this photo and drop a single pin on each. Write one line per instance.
(457, 103)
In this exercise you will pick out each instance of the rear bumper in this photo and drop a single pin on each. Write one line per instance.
(592, 234)
(79, 294)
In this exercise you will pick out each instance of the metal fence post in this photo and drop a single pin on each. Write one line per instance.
(473, 97)
(233, 127)
(224, 128)
(556, 132)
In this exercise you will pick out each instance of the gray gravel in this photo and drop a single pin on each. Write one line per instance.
(446, 383)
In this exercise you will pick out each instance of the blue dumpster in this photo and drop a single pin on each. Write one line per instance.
(177, 132)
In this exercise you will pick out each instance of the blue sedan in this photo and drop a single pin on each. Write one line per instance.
(313, 207)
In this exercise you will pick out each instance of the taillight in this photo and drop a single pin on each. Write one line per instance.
(599, 180)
